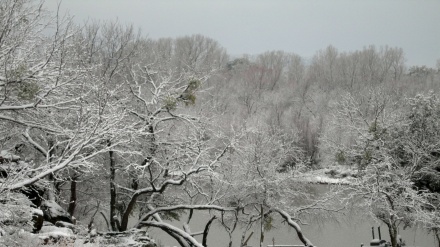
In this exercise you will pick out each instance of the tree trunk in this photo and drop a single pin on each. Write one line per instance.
(127, 211)
(112, 189)
(73, 197)
(51, 190)
(437, 236)
(206, 230)
(106, 221)
(244, 242)
(295, 226)
(392, 229)
(183, 238)
(262, 227)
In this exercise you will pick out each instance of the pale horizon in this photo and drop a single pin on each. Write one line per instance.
(301, 27)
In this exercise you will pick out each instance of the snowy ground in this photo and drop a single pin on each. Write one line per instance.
(331, 175)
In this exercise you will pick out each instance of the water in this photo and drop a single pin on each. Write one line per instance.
(349, 232)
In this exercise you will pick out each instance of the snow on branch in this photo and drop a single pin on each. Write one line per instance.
(177, 207)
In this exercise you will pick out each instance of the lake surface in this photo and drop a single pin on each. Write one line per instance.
(350, 232)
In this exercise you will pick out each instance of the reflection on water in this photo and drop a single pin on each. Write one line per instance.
(349, 230)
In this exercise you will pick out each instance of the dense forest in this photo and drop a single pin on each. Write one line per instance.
(108, 126)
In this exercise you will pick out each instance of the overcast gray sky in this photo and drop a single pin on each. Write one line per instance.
(300, 26)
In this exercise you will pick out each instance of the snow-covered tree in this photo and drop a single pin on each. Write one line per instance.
(51, 101)
(394, 151)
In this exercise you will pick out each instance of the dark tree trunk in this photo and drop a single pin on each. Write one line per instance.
(106, 221)
(73, 196)
(437, 236)
(126, 215)
(392, 229)
(262, 227)
(244, 242)
(51, 190)
(153, 146)
(205, 232)
(135, 182)
(180, 239)
(112, 189)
